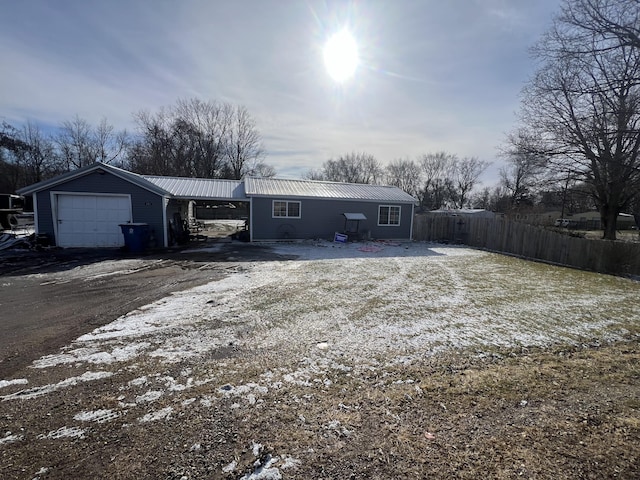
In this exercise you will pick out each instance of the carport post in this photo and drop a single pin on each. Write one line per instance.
(34, 195)
(165, 228)
(413, 208)
(251, 219)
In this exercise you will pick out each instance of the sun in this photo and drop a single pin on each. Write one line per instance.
(341, 56)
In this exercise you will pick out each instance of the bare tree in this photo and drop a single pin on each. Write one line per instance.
(612, 20)
(150, 154)
(353, 168)
(11, 147)
(111, 145)
(182, 140)
(261, 170)
(437, 173)
(39, 159)
(313, 174)
(204, 133)
(80, 144)
(466, 172)
(405, 174)
(244, 144)
(496, 199)
(584, 102)
(524, 171)
(76, 143)
(198, 139)
(27, 156)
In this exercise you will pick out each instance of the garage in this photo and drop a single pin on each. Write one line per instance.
(91, 220)
(85, 207)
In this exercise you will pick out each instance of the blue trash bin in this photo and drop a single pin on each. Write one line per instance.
(136, 236)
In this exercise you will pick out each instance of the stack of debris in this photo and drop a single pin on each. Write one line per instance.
(11, 240)
(22, 240)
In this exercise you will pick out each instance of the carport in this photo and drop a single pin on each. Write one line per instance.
(192, 198)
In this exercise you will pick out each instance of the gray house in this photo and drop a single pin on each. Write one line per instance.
(85, 207)
(283, 209)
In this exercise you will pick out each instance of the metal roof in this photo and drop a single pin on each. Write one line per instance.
(239, 190)
(274, 187)
(354, 216)
(200, 188)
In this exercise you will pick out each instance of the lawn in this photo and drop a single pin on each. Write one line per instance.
(348, 361)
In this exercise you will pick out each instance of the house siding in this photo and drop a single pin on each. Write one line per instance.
(321, 218)
(146, 206)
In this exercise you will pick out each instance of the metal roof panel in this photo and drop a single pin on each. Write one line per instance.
(354, 216)
(199, 188)
(275, 187)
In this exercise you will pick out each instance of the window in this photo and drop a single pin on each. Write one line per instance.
(282, 208)
(388, 215)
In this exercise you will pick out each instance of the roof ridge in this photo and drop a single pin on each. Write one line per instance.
(191, 178)
(332, 182)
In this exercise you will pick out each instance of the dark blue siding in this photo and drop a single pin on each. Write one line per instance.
(321, 218)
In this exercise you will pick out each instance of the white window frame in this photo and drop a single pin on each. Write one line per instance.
(389, 224)
(287, 202)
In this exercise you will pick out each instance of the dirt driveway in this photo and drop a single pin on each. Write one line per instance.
(49, 298)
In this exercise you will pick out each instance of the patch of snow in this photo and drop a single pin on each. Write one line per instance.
(99, 416)
(45, 389)
(150, 396)
(73, 432)
(97, 270)
(256, 448)
(16, 381)
(136, 382)
(289, 462)
(241, 390)
(173, 386)
(230, 467)
(264, 471)
(161, 414)
(93, 355)
(10, 438)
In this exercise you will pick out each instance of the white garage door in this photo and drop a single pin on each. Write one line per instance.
(92, 220)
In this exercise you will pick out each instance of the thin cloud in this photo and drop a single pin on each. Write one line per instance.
(434, 75)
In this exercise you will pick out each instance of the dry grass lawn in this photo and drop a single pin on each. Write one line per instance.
(396, 361)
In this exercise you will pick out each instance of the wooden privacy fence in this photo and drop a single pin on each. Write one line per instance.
(528, 241)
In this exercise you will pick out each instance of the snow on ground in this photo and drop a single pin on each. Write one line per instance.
(17, 381)
(10, 438)
(99, 416)
(337, 308)
(103, 269)
(345, 305)
(46, 389)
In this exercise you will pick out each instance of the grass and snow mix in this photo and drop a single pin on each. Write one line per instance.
(331, 313)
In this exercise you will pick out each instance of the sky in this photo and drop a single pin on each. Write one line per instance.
(432, 76)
